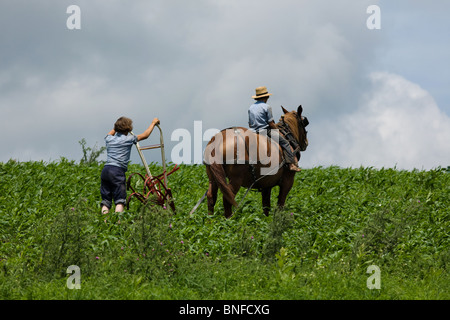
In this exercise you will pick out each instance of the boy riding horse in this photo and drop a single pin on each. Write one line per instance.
(260, 118)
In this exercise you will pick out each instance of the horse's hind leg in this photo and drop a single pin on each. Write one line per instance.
(212, 196)
(235, 185)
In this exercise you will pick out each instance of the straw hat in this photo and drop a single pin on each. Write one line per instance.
(261, 92)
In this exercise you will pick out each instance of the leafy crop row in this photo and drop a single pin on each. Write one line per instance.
(337, 221)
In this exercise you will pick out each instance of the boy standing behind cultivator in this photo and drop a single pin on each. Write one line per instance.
(118, 149)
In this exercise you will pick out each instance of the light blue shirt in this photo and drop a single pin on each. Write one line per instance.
(118, 149)
(259, 116)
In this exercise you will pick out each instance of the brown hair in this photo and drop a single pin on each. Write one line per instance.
(123, 125)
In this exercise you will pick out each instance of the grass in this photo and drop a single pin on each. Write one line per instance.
(336, 223)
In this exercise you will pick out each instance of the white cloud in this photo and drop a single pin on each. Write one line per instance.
(397, 125)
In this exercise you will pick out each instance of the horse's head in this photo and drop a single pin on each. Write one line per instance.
(297, 125)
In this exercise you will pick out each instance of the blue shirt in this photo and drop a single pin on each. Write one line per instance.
(118, 149)
(259, 116)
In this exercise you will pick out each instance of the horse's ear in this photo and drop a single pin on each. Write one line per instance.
(284, 110)
(299, 110)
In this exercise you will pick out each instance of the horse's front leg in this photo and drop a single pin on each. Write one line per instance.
(285, 187)
(266, 192)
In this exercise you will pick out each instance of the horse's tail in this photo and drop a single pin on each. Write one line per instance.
(218, 174)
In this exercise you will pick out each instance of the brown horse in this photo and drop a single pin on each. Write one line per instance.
(247, 160)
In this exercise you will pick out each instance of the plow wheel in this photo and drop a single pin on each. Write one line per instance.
(153, 190)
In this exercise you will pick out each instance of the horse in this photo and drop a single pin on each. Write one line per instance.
(246, 159)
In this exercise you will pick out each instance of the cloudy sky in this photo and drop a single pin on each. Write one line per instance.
(373, 97)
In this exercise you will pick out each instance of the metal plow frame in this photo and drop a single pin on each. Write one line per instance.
(155, 187)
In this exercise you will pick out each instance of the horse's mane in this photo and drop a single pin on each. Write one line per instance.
(291, 120)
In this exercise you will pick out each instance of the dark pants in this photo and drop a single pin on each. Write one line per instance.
(284, 143)
(113, 186)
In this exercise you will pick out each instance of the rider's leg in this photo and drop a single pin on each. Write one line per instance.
(288, 154)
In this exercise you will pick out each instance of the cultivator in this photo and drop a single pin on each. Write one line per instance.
(154, 188)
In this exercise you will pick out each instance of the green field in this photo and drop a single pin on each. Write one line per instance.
(337, 222)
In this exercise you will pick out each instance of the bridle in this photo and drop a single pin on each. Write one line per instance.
(302, 124)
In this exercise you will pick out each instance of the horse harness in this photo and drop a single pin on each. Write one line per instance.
(284, 130)
(251, 165)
